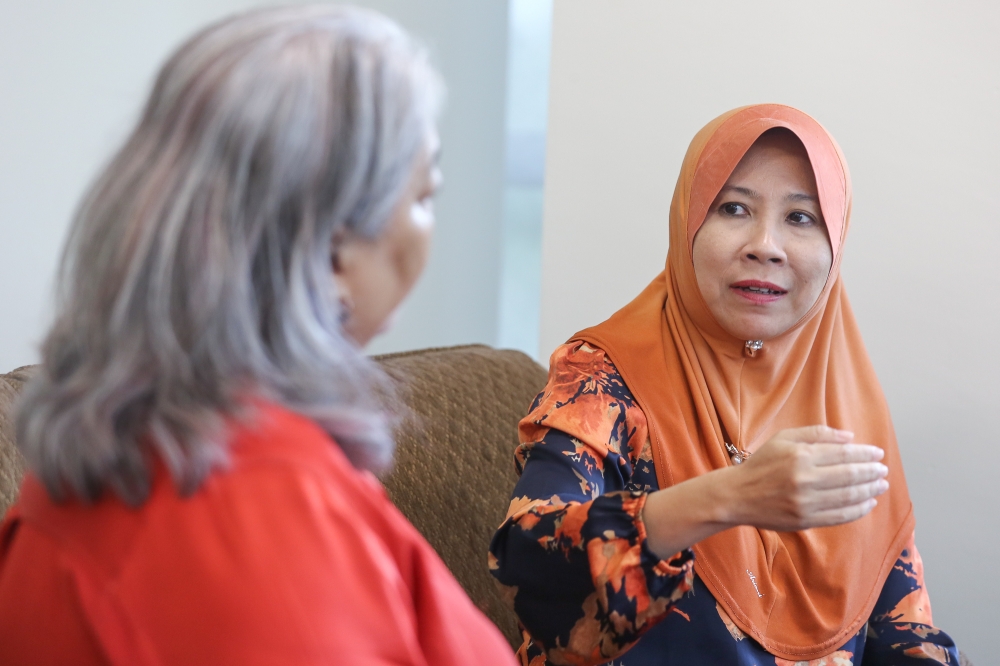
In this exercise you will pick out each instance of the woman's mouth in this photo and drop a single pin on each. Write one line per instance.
(757, 291)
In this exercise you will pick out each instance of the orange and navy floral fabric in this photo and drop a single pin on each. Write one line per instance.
(573, 558)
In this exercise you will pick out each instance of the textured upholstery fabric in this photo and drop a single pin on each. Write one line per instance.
(11, 462)
(454, 462)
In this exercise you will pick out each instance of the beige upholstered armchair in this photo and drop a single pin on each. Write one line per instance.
(11, 463)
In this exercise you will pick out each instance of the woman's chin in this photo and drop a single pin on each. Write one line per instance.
(756, 330)
(387, 324)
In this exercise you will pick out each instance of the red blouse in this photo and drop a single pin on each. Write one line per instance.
(289, 556)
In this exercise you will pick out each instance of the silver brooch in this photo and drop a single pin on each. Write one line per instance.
(736, 455)
(752, 347)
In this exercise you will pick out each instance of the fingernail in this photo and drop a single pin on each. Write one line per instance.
(883, 485)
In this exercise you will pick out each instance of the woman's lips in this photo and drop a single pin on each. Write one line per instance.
(758, 291)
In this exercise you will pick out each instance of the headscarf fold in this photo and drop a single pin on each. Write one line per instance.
(799, 594)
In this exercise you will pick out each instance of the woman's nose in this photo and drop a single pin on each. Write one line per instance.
(764, 244)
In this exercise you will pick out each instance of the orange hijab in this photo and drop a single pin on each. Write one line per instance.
(799, 594)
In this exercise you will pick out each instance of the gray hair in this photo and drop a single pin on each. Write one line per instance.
(197, 274)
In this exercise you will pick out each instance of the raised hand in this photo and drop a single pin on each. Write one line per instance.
(808, 477)
(800, 478)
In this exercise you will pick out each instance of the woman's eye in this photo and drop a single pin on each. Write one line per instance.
(801, 219)
(734, 209)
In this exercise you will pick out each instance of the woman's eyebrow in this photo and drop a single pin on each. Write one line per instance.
(754, 194)
(745, 191)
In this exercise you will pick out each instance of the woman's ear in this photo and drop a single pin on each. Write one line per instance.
(341, 261)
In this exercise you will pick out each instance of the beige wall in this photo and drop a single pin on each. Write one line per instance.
(73, 75)
(911, 90)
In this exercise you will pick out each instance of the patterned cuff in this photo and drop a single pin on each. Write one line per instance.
(679, 563)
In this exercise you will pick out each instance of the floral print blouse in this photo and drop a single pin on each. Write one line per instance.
(572, 553)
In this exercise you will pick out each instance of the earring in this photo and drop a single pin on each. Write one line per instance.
(346, 308)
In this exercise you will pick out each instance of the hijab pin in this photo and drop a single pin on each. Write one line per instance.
(752, 347)
(736, 455)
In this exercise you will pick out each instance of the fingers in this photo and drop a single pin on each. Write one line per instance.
(840, 498)
(831, 446)
(814, 476)
(840, 454)
(840, 505)
(842, 515)
(840, 476)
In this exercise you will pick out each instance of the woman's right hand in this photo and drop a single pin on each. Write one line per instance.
(807, 477)
(800, 478)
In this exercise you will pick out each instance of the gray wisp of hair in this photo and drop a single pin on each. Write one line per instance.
(197, 273)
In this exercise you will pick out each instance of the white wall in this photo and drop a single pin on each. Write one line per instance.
(528, 58)
(911, 90)
(456, 301)
(73, 75)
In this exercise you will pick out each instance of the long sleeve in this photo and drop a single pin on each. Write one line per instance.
(901, 629)
(572, 551)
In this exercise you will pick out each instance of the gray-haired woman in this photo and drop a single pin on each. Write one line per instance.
(200, 434)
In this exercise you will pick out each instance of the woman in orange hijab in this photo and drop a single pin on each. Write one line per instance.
(711, 475)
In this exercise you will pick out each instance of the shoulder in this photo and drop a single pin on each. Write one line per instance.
(579, 369)
(304, 555)
(580, 357)
(273, 444)
(289, 550)
(586, 398)
(287, 495)
(286, 476)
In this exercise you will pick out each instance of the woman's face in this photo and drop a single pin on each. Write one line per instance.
(763, 255)
(375, 275)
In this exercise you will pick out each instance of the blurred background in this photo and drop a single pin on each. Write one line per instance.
(73, 75)
(579, 115)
